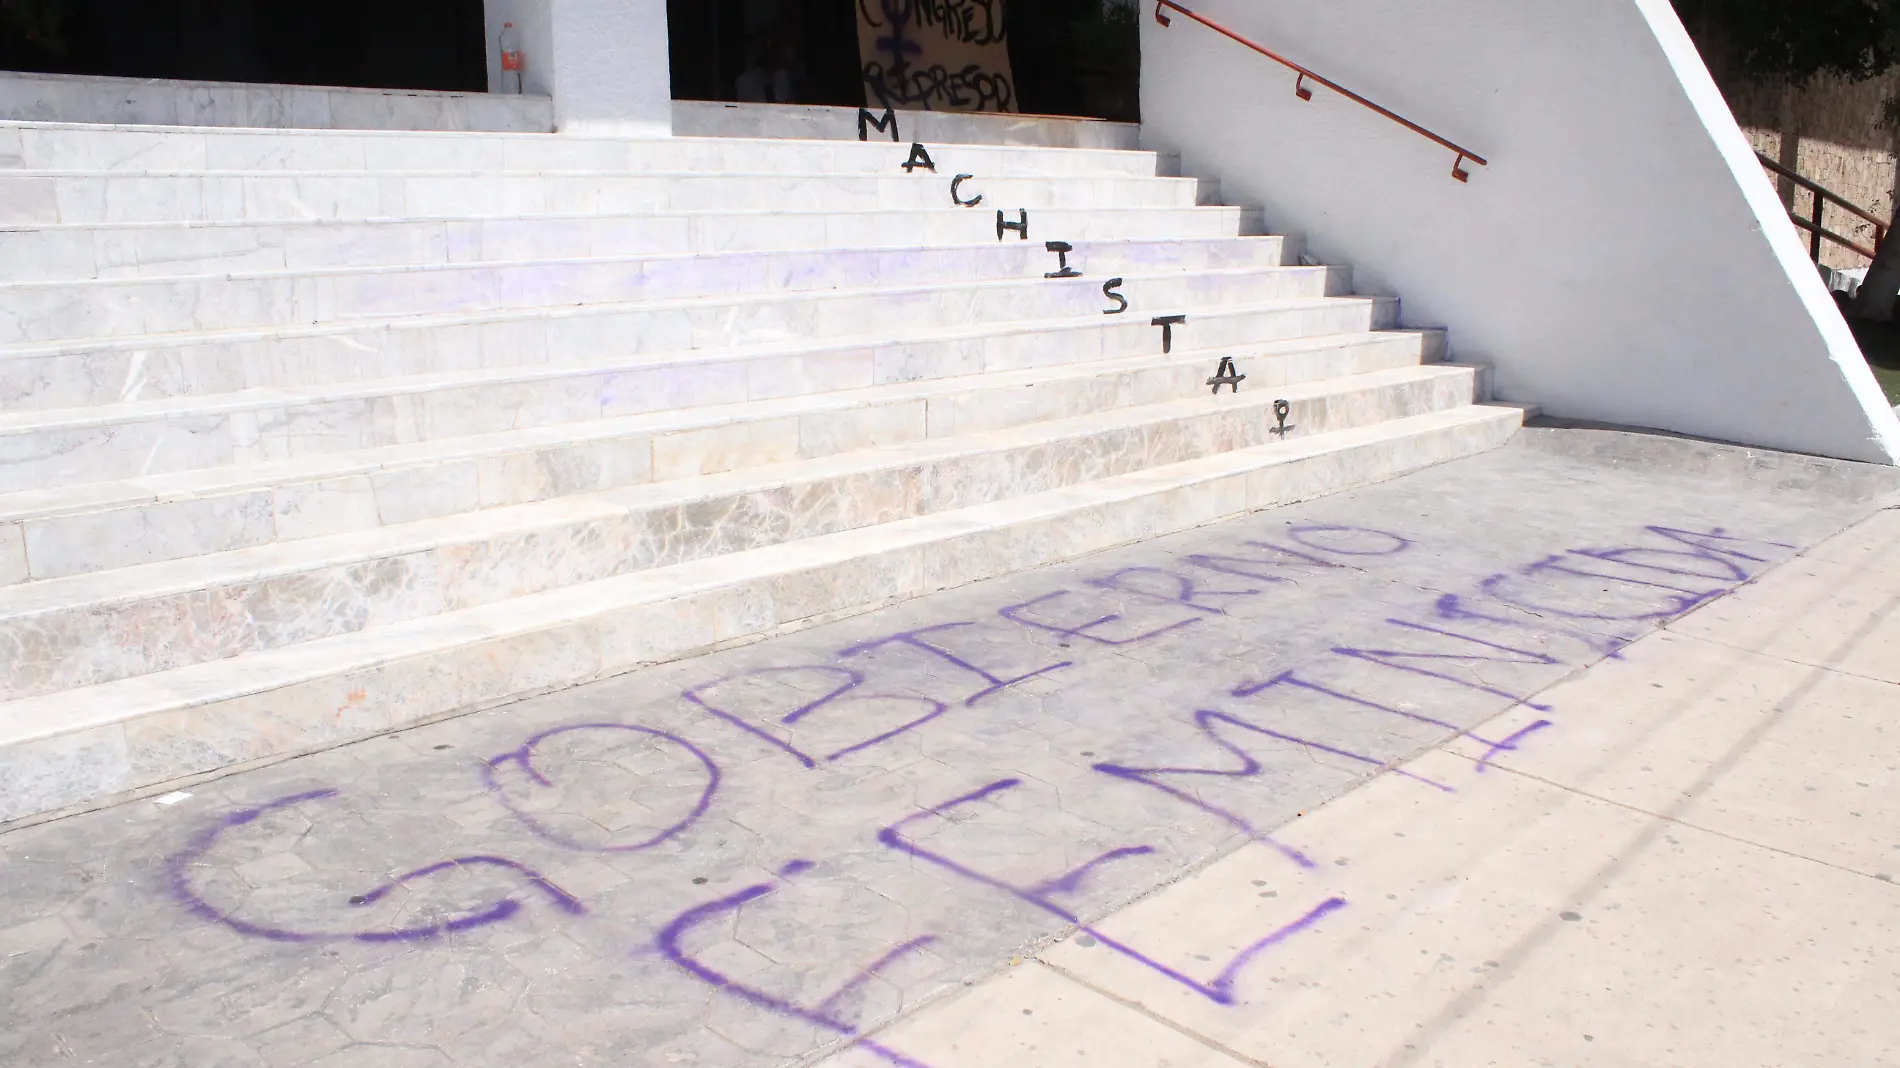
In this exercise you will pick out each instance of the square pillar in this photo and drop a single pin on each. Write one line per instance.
(605, 62)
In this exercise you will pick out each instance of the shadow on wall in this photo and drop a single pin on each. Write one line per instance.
(414, 44)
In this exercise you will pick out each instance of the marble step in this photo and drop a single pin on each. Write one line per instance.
(51, 448)
(166, 249)
(805, 121)
(87, 629)
(107, 370)
(50, 311)
(73, 98)
(53, 533)
(44, 198)
(83, 745)
(78, 147)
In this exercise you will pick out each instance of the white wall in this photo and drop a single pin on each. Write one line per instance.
(532, 21)
(1622, 259)
(604, 62)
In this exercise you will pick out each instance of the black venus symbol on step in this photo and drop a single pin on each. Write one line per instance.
(1281, 410)
(1226, 375)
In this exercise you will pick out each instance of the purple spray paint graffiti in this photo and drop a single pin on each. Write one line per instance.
(1509, 744)
(915, 639)
(1208, 723)
(523, 760)
(1511, 628)
(1220, 989)
(840, 696)
(181, 864)
(671, 945)
(1718, 553)
(1394, 658)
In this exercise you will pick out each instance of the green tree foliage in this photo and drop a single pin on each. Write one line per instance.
(1798, 39)
(1794, 41)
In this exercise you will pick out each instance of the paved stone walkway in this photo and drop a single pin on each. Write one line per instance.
(1694, 866)
(769, 854)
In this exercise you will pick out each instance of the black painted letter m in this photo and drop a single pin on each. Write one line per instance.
(868, 122)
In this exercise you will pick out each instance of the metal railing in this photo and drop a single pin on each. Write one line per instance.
(1815, 224)
(1299, 88)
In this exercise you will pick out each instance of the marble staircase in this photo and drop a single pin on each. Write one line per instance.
(307, 435)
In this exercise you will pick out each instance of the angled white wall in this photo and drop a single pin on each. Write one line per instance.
(1622, 259)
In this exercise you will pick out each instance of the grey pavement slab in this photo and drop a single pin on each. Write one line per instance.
(1692, 866)
(768, 854)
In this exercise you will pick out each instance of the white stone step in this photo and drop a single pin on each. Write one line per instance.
(78, 147)
(76, 373)
(66, 748)
(96, 99)
(50, 311)
(45, 198)
(712, 119)
(163, 249)
(93, 628)
(51, 448)
(53, 533)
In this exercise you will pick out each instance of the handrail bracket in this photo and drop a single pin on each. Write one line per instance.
(1304, 92)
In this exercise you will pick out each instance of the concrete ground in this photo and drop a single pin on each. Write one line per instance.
(1577, 753)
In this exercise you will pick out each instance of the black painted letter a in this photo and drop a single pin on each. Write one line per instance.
(919, 157)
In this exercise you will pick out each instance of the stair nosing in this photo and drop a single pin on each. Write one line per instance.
(35, 350)
(257, 476)
(293, 273)
(338, 550)
(536, 217)
(89, 416)
(521, 136)
(581, 172)
(173, 689)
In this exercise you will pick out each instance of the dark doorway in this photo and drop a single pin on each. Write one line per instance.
(1070, 57)
(408, 44)
(767, 51)
(1077, 57)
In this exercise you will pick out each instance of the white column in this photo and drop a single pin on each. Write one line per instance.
(604, 62)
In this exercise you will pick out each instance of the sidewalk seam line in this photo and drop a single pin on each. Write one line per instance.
(1141, 1010)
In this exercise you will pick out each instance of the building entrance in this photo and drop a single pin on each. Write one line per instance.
(410, 44)
(1065, 57)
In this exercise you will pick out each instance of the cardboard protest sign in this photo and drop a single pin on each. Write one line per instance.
(935, 55)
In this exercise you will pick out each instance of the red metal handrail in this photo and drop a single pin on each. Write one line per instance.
(1299, 88)
(1822, 195)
